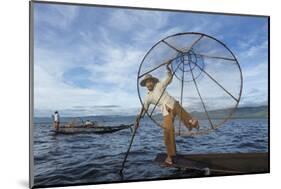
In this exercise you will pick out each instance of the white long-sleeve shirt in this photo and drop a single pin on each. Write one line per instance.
(153, 96)
(56, 117)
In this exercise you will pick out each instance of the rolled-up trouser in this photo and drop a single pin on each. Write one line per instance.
(56, 125)
(168, 124)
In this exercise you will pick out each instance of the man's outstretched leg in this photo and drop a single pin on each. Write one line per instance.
(185, 117)
(169, 138)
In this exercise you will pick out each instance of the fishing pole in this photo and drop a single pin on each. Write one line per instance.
(129, 148)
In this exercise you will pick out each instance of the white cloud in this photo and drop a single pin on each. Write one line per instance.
(257, 49)
(127, 20)
(113, 64)
(117, 70)
(259, 70)
(57, 16)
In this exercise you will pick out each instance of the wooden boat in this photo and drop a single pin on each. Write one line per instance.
(221, 163)
(91, 129)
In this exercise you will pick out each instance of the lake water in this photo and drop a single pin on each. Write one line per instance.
(83, 158)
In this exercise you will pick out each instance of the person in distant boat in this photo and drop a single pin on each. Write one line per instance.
(56, 120)
(169, 107)
(88, 123)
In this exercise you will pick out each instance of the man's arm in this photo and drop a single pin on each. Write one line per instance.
(169, 77)
(143, 110)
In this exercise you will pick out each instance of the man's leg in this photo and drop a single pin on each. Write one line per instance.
(185, 117)
(57, 125)
(169, 137)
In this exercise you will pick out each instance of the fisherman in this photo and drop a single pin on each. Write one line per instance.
(88, 123)
(169, 107)
(56, 120)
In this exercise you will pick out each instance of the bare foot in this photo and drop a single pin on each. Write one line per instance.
(193, 124)
(169, 160)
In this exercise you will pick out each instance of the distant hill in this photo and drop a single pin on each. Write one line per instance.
(241, 112)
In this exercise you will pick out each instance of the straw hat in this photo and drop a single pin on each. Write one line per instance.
(146, 77)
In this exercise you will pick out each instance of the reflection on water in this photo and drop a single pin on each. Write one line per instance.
(82, 158)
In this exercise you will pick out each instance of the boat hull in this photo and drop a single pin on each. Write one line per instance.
(91, 129)
(221, 163)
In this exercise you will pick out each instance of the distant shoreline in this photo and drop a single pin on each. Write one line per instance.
(240, 113)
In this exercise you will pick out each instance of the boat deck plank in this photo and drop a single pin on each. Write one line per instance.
(220, 163)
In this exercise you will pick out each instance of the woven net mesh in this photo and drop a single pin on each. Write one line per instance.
(207, 79)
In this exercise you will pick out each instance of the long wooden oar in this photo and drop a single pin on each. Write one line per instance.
(129, 148)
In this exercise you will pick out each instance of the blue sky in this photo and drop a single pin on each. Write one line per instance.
(87, 58)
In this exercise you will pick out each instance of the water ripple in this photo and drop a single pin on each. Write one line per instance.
(81, 158)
